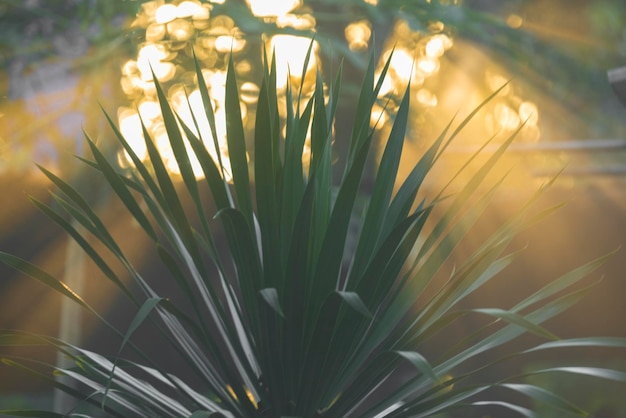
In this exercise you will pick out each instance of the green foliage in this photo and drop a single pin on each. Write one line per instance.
(31, 30)
(599, 397)
(293, 321)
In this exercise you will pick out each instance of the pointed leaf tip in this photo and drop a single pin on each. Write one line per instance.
(420, 362)
(270, 295)
(356, 303)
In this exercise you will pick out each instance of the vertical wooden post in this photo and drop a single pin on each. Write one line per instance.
(70, 326)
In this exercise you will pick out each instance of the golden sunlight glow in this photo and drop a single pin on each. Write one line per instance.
(426, 97)
(379, 116)
(243, 67)
(386, 87)
(228, 43)
(191, 112)
(402, 66)
(129, 68)
(511, 111)
(150, 59)
(152, 52)
(166, 13)
(434, 47)
(249, 92)
(248, 394)
(514, 21)
(416, 57)
(436, 26)
(171, 30)
(265, 8)
(444, 379)
(437, 45)
(428, 65)
(506, 117)
(190, 9)
(180, 30)
(130, 127)
(495, 81)
(529, 113)
(291, 54)
(149, 110)
(300, 22)
(216, 81)
(203, 13)
(358, 35)
(155, 32)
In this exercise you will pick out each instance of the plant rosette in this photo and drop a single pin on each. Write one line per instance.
(302, 316)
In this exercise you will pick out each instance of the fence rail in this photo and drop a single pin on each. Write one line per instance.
(586, 147)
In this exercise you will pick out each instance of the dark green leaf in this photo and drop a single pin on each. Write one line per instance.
(237, 144)
(384, 185)
(518, 320)
(356, 303)
(510, 406)
(270, 295)
(120, 189)
(31, 413)
(43, 277)
(420, 362)
(545, 396)
(609, 374)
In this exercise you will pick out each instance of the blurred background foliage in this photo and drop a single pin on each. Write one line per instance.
(34, 29)
(557, 52)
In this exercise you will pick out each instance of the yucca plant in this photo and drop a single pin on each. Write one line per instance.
(303, 316)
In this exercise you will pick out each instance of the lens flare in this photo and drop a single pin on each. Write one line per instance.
(428, 65)
(300, 21)
(180, 30)
(130, 127)
(358, 35)
(506, 117)
(166, 13)
(437, 45)
(264, 8)
(172, 31)
(190, 9)
(426, 98)
(228, 43)
(529, 113)
(401, 65)
(514, 21)
(155, 32)
(291, 52)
